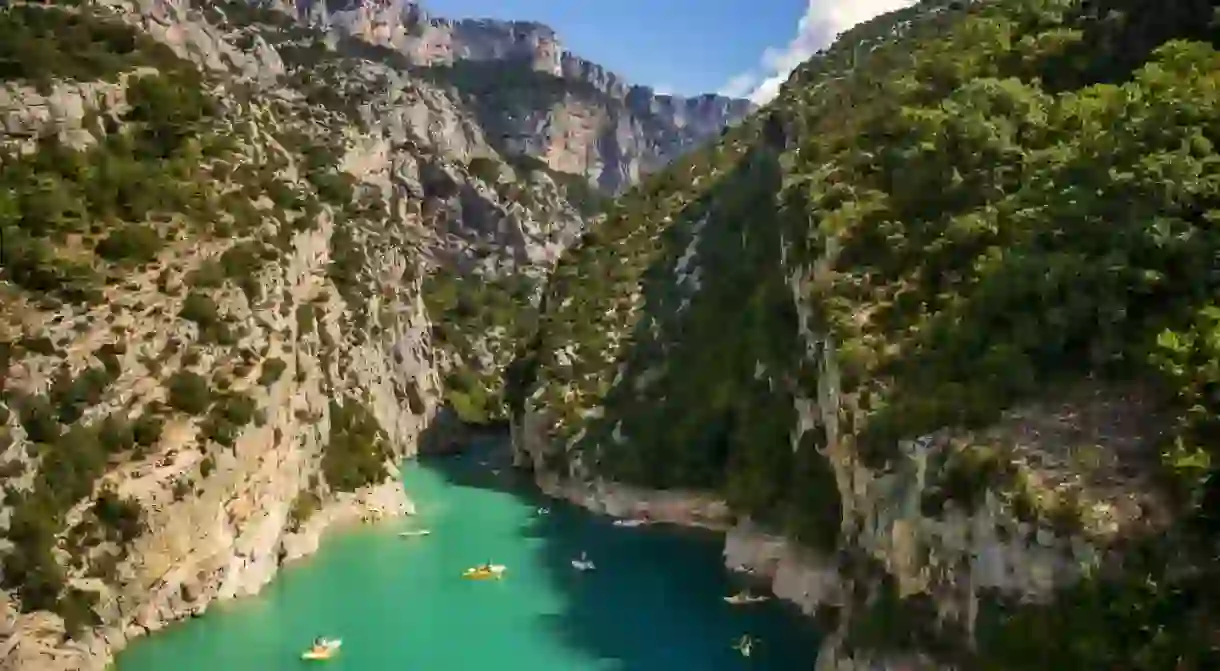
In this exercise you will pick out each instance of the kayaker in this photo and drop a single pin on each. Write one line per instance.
(744, 645)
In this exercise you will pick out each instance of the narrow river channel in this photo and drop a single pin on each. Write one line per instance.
(654, 602)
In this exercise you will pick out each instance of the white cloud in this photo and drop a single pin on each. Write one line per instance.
(823, 20)
(739, 86)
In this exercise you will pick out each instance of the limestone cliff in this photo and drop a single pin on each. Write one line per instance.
(216, 229)
(908, 324)
(536, 98)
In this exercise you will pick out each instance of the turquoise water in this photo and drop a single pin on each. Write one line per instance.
(654, 602)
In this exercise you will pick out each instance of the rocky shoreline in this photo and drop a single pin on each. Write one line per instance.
(793, 574)
(35, 640)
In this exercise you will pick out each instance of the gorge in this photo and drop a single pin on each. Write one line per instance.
(932, 337)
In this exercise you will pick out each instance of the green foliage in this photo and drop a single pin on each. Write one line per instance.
(123, 518)
(231, 412)
(198, 307)
(189, 392)
(486, 169)
(69, 467)
(49, 196)
(38, 419)
(272, 369)
(347, 264)
(322, 171)
(303, 507)
(1157, 614)
(168, 110)
(116, 434)
(357, 449)
(71, 464)
(971, 209)
(587, 199)
(469, 398)
(109, 354)
(147, 429)
(44, 43)
(73, 395)
(201, 309)
(966, 475)
(139, 243)
(894, 623)
(496, 312)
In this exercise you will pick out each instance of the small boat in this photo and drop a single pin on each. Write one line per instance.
(745, 645)
(484, 573)
(413, 533)
(543, 511)
(583, 564)
(630, 524)
(325, 650)
(743, 598)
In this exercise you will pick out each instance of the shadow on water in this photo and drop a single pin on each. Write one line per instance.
(655, 600)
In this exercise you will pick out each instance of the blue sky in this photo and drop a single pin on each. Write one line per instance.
(743, 48)
(687, 46)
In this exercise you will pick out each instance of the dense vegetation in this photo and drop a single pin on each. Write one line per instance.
(40, 45)
(357, 450)
(999, 199)
(496, 314)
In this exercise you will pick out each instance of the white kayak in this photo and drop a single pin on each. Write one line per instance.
(744, 645)
(582, 565)
(742, 599)
(630, 523)
(414, 533)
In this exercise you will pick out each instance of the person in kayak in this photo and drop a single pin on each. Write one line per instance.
(745, 645)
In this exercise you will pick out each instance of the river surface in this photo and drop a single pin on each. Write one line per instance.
(654, 603)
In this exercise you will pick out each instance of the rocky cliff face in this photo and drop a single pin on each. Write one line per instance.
(573, 114)
(214, 343)
(865, 322)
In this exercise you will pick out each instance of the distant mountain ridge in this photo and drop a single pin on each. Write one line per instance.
(628, 131)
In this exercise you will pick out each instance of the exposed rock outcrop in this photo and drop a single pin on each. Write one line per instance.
(596, 125)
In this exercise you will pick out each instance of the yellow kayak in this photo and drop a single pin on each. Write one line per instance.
(480, 573)
(328, 650)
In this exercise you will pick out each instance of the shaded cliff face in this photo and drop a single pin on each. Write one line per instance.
(900, 324)
(214, 342)
(593, 123)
